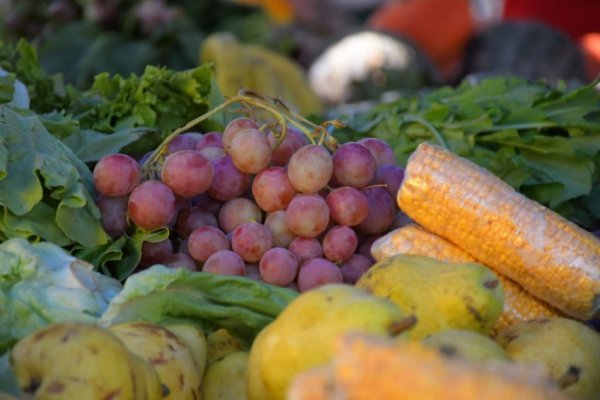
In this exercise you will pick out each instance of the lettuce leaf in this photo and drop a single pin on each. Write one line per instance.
(41, 283)
(160, 294)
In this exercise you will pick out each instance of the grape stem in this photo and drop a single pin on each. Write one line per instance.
(280, 112)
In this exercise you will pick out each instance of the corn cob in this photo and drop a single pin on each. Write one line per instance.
(546, 254)
(414, 239)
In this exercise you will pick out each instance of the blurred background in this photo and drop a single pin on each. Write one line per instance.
(314, 53)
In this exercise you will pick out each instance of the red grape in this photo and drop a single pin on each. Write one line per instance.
(187, 172)
(251, 240)
(293, 140)
(348, 205)
(307, 215)
(228, 181)
(116, 175)
(310, 168)
(114, 214)
(225, 262)
(212, 153)
(234, 127)
(278, 266)
(151, 205)
(353, 165)
(238, 211)
(155, 252)
(184, 141)
(192, 218)
(354, 267)
(205, 241)
(250, 151)
(381, 151)
(381, 211)
(339, 243)
(272, 189)
(210, 139)
(400, 220)
(391, 176)
(317, 272)
(305, 248)
(206, 203)
(364, 246)
(282, 236)
(180, 260)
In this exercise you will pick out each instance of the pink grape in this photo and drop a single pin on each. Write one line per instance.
(205, 241)
(307, 215)
(114, 214)
(238, 211)
(192, 218)
(184, 141)
(310, 168)
(250, 151)
(116, 175)
(212, 153)
(272, 190)
(206, 203)
(225, 262)
(282, 236)
(317, 272)
(234, 127)
(381, 151)
(391, 176)
(354, 267)
(187, 172)
(340, 243)
(353, 165)
(293, 140)
(210, 139)
(381, 211)
(278, 266)
(251, 240)
(180, 260)
(151, 205)
(348, 205)
(305, 248)
(228, 181)
(155, 252)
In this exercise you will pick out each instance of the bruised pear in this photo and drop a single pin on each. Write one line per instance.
(225, 377)
(304, 333)
(66, 361)
(567, 349)
(466, 344)
(441, 295)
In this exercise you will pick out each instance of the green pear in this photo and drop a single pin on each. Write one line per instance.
(568, 350)
(466, 344)
(225, 378)
(303, 335)
(441, 295)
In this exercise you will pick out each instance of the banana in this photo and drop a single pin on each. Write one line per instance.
(195, 339)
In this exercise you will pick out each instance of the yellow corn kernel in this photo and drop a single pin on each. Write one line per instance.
(550, 257)
(414, 239)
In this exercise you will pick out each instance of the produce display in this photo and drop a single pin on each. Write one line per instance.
(162, 241)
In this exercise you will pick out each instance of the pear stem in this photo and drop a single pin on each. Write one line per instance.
(401, 326)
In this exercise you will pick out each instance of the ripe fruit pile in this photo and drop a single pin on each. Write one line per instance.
(274, 201)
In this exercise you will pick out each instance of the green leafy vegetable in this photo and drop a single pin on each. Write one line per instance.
(160, 294)
(541, 140)
(45, 190)
(41, 283)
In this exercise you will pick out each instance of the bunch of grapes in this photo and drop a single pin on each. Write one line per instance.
(252, 201)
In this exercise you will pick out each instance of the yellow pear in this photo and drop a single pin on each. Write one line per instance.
(66, 361)
(466, 344)
(225, 379)
(167, 353)
(303, 335)
(440, 294)
(569, 351)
